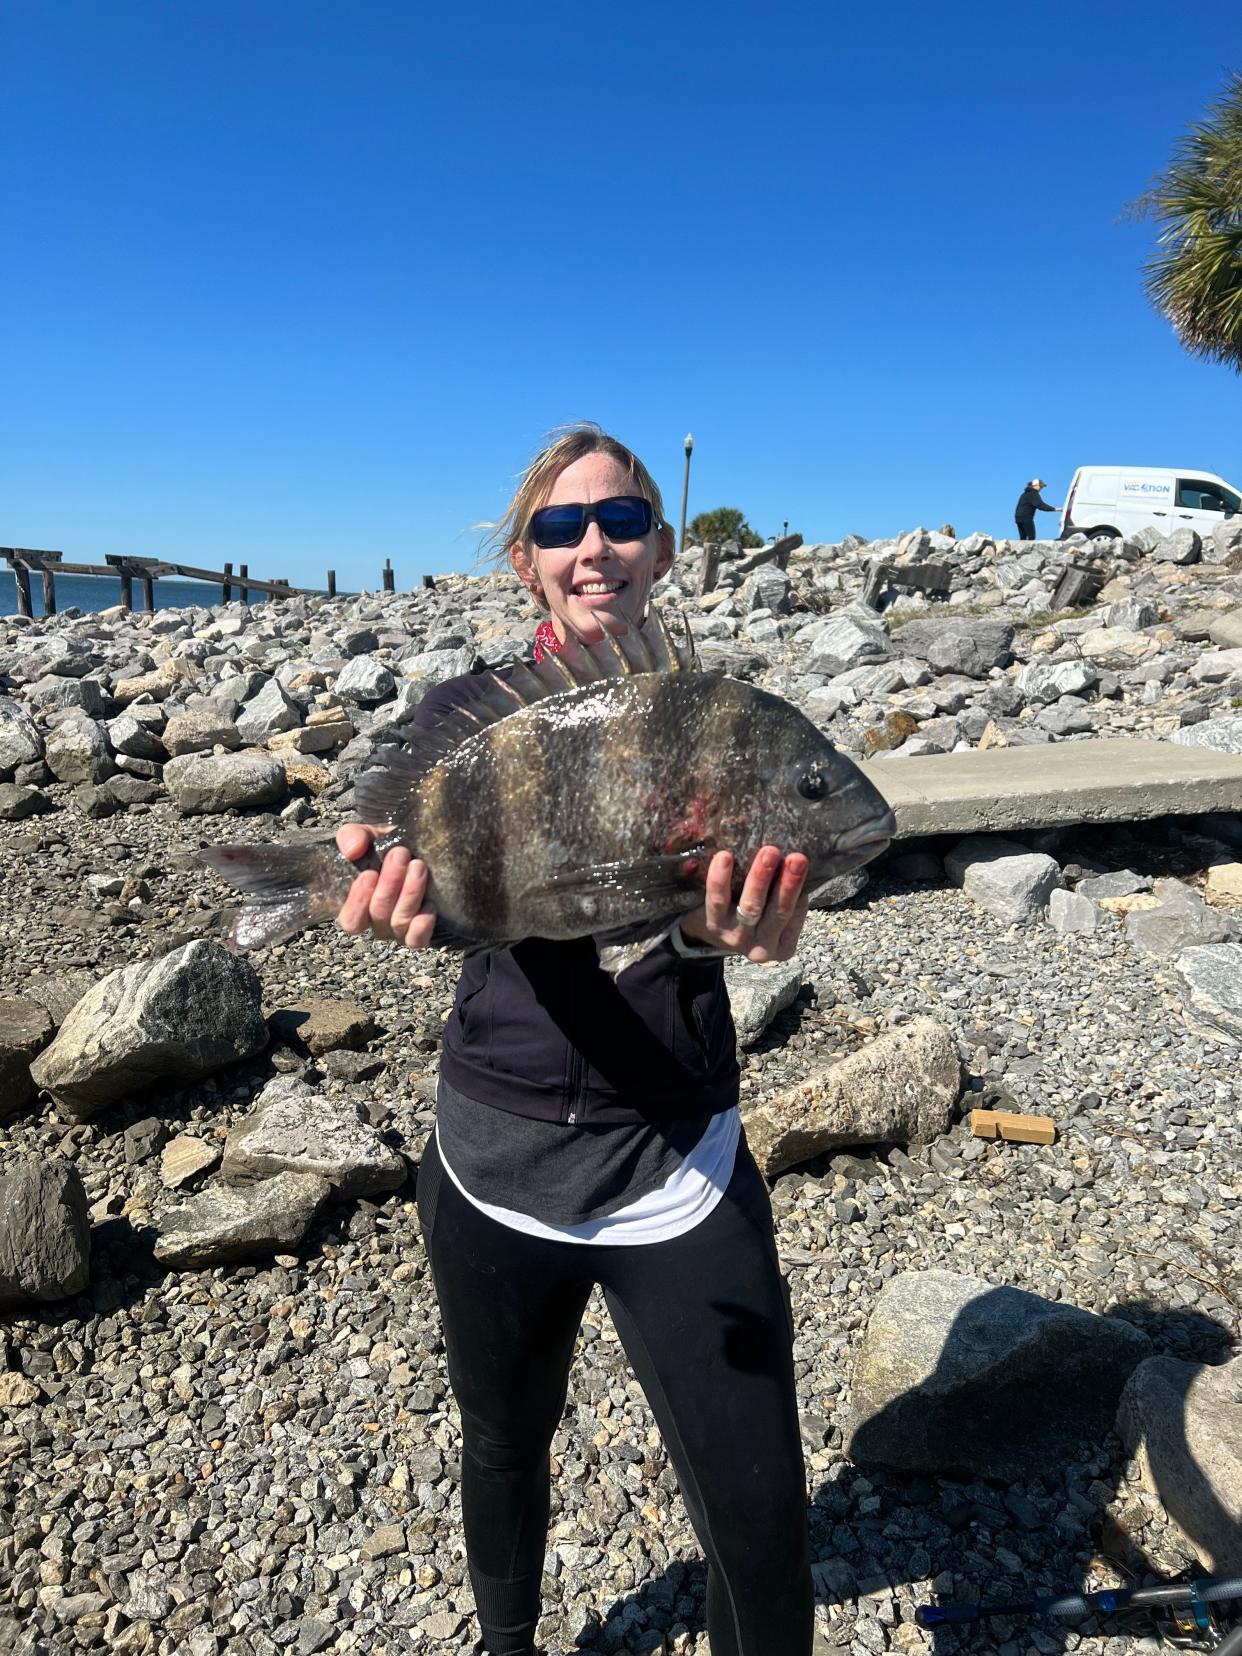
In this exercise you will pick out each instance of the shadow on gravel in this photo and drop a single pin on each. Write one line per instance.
(875, 1532)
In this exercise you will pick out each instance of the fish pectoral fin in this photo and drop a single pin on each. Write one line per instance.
(620, 950)
(664, 874)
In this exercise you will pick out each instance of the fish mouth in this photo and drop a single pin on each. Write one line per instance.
(868, 839)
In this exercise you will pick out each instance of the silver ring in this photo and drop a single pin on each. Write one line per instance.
(746, 919)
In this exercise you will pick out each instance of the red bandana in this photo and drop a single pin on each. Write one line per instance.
(546, 641)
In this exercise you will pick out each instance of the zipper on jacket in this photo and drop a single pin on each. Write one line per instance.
(574, 1086)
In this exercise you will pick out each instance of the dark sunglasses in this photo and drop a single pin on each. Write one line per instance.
(620, 518)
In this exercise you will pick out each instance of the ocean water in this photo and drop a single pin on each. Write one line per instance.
(97, 592)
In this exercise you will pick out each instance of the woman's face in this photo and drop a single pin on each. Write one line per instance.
(598, 582)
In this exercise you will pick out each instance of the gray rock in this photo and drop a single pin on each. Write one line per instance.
(758, 993)
(1223, 542)
(17, 803)
(428, 667)
(1224, 735)
(25, 1029)
(768, 589)
(1124, 883)
(958, 645)
(199, 732)
(365, 680)
(229, 1223)
(1226, 630)
(848, 641)
(176, 1018)
(202, 783)
(1133, 613)
(1047, 681)
(1184, 1423)
(20, 741)
(85, 694)
(901, 1088)
(1181, 547)
(78, 752)
(294, 1129)
(842, 888)
(45, 1240)
(1217, 666)
(955, 1375)
(1003, 877)
(134, 736)
(1069, 911)
(270, 712)
(1181, 920)
(1068, 717)
(1212, 973)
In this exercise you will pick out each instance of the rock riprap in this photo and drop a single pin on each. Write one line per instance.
(1183, 1422)
(177, 1018)
(958, 1376)
(45, 1243)
(25, 1029)
(296, 1130)
(206, 783)
(901, 1087)
(229, 1224)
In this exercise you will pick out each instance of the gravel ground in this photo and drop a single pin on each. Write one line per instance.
(256, 1460)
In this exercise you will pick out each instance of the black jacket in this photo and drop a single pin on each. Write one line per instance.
(1030, 501)
(541, 1030)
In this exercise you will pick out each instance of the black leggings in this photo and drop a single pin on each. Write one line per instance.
(1026, 528)
(705, 1323)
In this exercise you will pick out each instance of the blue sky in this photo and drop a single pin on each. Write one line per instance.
(305, 284)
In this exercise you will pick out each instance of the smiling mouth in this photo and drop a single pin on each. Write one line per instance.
(598, 589)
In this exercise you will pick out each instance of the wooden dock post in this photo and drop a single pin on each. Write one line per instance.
(147, 582)
(332, 583)
(429, 582)
(127, 590)
(389, 576)
(49, 590)
(244, 591)
(22, 576)
(226, 586)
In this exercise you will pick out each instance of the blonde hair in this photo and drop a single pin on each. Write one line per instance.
(564, 447)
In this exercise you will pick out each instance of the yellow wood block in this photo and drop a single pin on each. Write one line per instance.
(1018, 1129)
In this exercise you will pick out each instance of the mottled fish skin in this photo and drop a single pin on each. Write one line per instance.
(588, 811)
(614, 777)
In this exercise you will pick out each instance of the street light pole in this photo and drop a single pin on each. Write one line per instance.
(685, 492)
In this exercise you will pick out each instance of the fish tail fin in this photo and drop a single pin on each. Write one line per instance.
(285, 888)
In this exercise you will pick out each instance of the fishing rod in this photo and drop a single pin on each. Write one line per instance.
(1183, 1611)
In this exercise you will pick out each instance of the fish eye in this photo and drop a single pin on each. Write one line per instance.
(812, 785)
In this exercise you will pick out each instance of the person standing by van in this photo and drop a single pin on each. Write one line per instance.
(1031, 501)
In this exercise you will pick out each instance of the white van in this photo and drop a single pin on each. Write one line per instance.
(1117, 500)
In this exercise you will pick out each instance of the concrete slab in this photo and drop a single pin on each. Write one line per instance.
(1122, 779)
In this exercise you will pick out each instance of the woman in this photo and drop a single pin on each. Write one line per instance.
(588, 1132)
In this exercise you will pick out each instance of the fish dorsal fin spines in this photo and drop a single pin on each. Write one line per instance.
(383, 791)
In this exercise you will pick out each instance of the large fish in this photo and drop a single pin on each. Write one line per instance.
(583, 795)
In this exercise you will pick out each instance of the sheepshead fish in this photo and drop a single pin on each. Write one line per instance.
(583, 795)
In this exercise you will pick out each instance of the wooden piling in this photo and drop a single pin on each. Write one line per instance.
(711, 563)
(49, 590)
(22, 577)
(147, 582)
(243, 590)
(429, 582)
(332, 583)
(226, 586)
(127, 590)
(389, 576)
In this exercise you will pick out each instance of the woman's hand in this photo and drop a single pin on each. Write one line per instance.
(393, 902)
(768, 917)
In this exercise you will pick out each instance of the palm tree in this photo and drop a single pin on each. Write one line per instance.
(1194, 278)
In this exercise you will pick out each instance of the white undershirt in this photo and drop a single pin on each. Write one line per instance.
(683, 1201)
